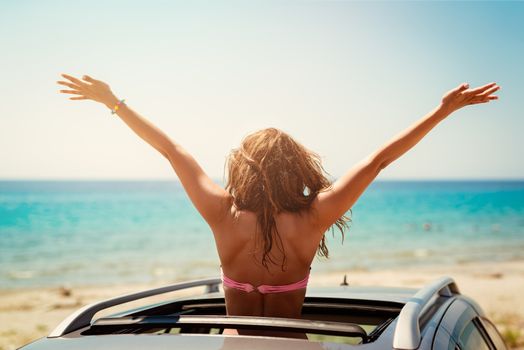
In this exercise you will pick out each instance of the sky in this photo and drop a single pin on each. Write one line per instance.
(341, 77)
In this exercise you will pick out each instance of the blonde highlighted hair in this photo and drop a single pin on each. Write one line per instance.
(272, 173)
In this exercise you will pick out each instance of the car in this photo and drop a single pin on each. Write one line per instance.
(436, 316)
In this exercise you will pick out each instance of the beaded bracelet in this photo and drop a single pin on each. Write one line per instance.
(117, 106)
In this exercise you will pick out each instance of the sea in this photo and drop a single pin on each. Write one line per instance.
(79, 232)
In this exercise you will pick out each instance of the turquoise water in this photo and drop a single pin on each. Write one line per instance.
(103, 232)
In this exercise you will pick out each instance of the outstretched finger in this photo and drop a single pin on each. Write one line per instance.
(71, 85)
(489, 98)
(78, 98)
(490, 91)
(73, 79)
(481, 89)
(476, 102)
(482, 99)
(71, 92)
(89, 79)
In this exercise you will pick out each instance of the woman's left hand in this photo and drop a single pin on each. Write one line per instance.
(89, 89)
(462, 96)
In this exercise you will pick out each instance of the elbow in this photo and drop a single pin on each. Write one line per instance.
(166, 153)
(384, 164)
(169, 151)
(378, 162)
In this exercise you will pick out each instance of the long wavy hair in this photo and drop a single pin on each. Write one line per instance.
(272, 173)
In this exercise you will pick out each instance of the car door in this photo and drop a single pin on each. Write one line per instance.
(463, 328)
(493, 333)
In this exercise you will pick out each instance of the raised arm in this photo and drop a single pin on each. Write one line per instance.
(337, 200)
(208, 197)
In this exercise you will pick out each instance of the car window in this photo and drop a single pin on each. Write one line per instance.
(493, 334)
(471, 338)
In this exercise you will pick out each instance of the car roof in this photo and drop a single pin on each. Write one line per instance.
(189, 341)
(388, 294)
(406, 303)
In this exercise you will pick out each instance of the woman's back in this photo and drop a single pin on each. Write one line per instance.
(239, 248)
(269, 232)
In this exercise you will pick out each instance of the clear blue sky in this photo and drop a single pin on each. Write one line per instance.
(341, 77)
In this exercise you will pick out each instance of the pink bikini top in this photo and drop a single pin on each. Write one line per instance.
(263, 288)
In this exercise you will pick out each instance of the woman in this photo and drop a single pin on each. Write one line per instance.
(270, 220)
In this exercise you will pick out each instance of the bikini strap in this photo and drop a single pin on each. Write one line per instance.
(228, 282)
(264, 288)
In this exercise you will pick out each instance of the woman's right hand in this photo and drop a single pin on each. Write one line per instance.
(89, 89)
(462, 96)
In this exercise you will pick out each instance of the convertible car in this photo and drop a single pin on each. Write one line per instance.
(436, 316)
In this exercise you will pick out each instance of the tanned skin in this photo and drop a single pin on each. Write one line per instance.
(234, 230)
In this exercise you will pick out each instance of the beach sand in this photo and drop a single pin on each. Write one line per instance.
(28, 314)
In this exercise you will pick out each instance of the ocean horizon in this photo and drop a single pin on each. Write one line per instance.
(107, 231)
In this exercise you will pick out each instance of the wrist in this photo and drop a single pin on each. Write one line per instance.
(110, 101)
(445, 109)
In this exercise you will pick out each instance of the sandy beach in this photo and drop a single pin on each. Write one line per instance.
(27, 314)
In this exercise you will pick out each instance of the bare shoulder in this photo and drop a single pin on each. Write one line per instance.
(234, 221)
(315, 217)
(226, 213)
(335, 201)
